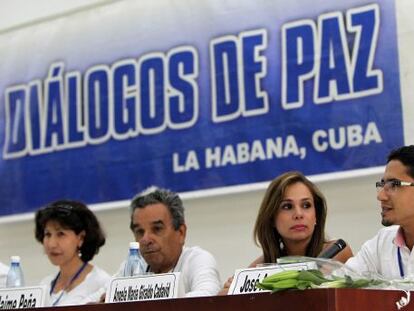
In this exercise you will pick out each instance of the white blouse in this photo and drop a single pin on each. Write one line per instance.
(89, 291)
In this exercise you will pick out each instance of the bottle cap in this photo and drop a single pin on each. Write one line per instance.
(15, 259)
(134, 245)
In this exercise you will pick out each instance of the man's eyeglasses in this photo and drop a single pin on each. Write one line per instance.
(392, 185)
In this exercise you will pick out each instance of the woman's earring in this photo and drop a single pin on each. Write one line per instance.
(281, 245)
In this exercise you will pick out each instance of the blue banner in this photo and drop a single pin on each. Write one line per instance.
(100, 104)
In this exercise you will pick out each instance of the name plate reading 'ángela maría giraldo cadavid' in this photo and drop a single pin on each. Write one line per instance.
(144, 287)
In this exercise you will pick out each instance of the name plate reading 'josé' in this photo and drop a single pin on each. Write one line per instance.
(245, 280)
(144, 287)
(22, 297)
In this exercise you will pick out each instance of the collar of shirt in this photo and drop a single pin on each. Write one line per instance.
(399, 238)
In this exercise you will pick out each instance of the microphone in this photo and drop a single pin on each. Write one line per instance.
(332, 250)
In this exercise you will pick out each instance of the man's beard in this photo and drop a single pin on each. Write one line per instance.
(386, 223)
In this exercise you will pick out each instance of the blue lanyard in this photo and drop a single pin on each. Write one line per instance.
(75, 276)
(400, 264)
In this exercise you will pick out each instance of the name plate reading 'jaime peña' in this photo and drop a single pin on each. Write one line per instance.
(22, 297)
(245, 280)
(144, 287)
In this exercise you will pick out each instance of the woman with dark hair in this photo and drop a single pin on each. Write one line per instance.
(71, 236)
(291, 222)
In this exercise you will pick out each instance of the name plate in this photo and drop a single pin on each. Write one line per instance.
(144, 287)
(22, 297)
(245, 280)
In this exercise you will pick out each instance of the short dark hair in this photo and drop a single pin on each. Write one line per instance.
(76, 216)
(405, 155)
(164, 196)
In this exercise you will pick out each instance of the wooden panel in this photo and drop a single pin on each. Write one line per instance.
(318, 300)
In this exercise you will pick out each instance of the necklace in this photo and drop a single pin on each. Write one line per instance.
(74, 277)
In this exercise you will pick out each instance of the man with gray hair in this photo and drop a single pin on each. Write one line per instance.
(158, 224)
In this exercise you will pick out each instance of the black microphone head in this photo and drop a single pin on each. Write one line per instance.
(341, 243)
(333, 250)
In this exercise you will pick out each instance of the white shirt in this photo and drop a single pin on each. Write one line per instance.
(3, 274)
(199, 272)
(380, 255)
(90, 290)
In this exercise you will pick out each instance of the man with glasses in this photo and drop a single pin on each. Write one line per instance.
(389, 253)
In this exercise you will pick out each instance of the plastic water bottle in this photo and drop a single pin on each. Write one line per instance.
(135, 264)
(15, 275)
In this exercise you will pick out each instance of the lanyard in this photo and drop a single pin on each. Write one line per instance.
(400, 264)
(75, 276)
